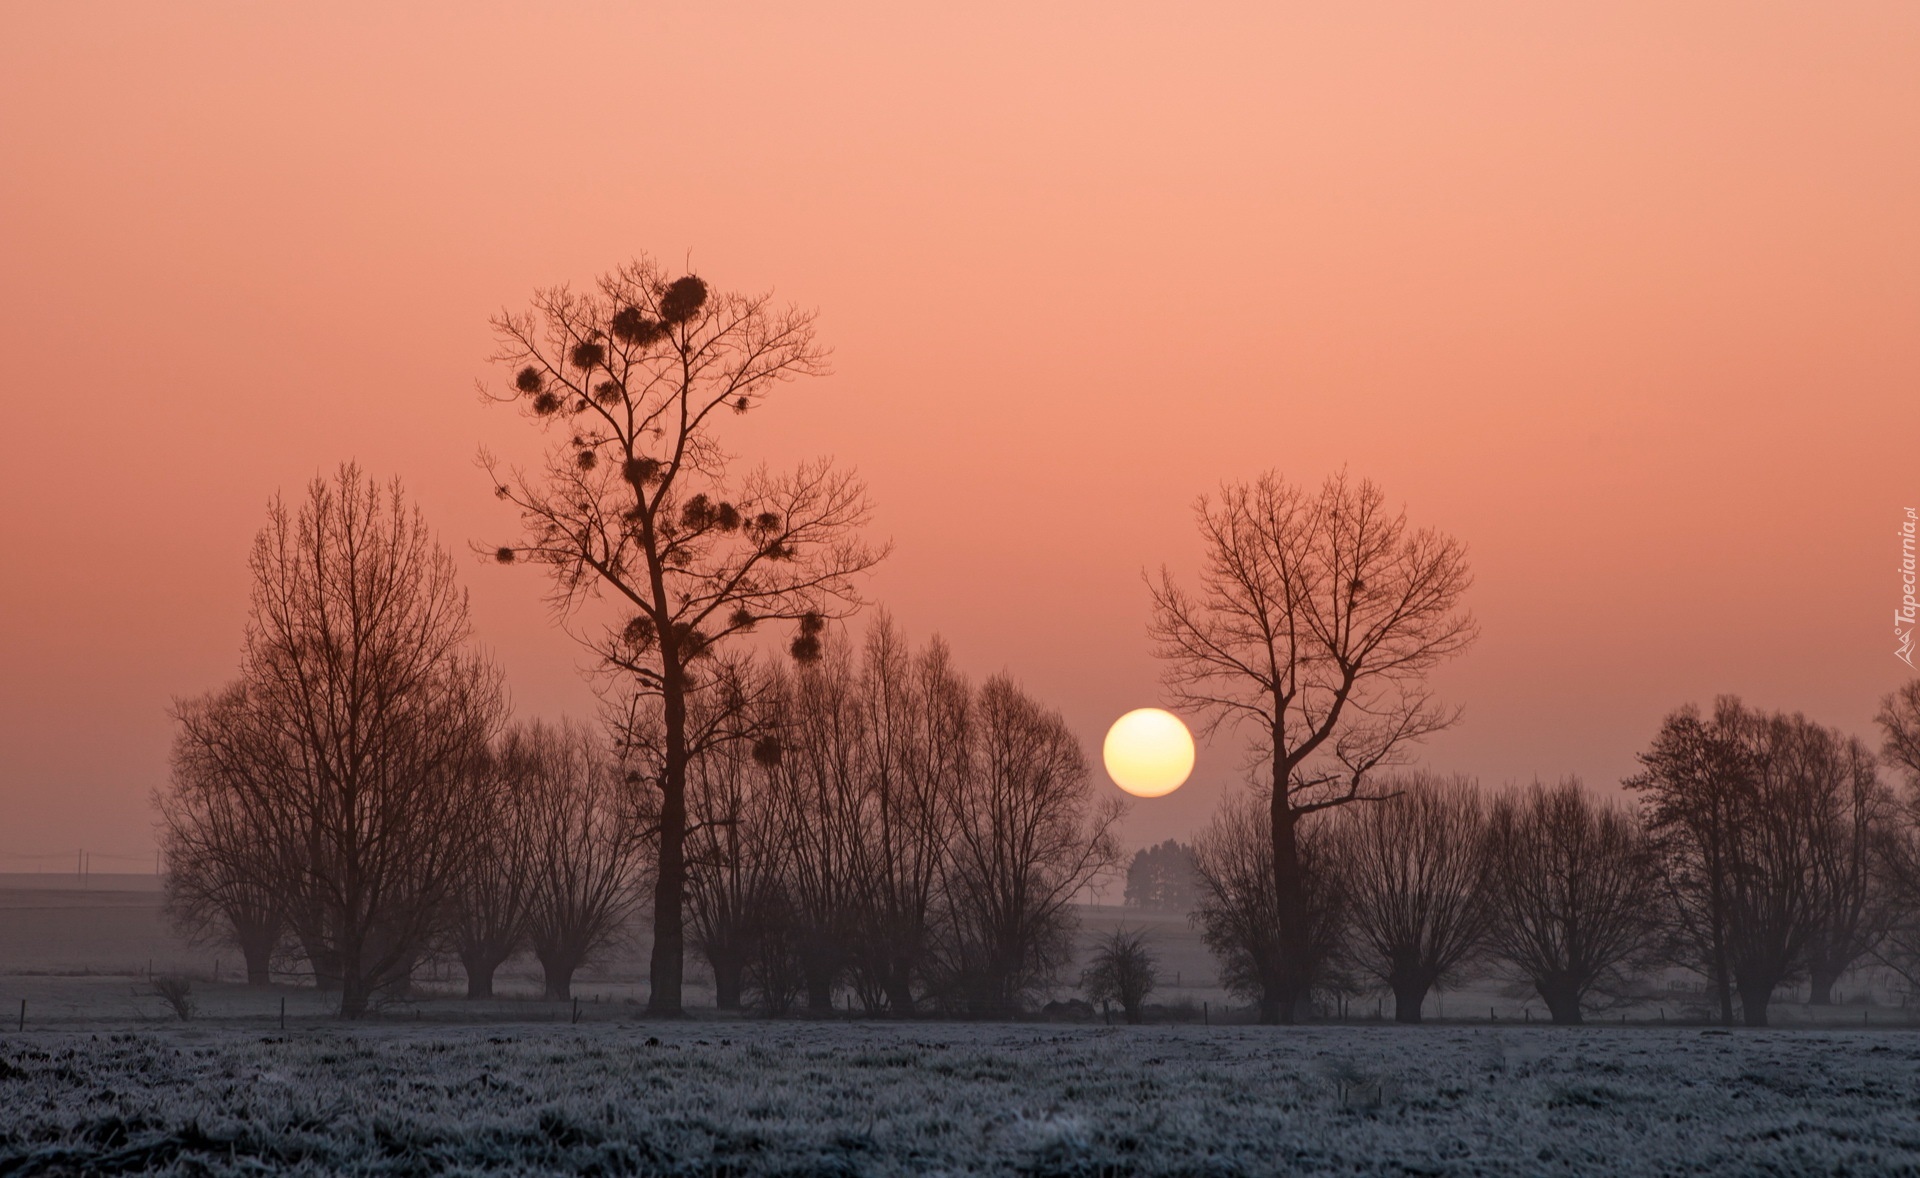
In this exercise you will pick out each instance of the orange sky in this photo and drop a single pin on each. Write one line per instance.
(1626, 296)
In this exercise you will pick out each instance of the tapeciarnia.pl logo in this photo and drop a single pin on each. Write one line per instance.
(1903, 617)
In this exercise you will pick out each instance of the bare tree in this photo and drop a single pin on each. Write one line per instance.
(733, 852)
(814, 792)
(915, 733)
(1852, 817)
(1766, 828)
(1899, 721)
(636, 506)
(583, 856)
(1695, 782)
(1417, 870)
(487, 916)
(1027, 838)
(1317, 619)
(1899, 851)
(223, 878)
(374, 717)
(1575, 894)
(1123, 970)
(1238, 913)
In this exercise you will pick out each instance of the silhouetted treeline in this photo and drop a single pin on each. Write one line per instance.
(873, 821)
(1765, 851)
(857, 820)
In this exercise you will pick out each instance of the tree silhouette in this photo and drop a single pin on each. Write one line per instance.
(635, 506)
(1124, 970)
(1317, 619)
(1574, 892)
(1416, 869)
(355, 748)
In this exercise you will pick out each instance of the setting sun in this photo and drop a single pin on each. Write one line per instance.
(1148, 752)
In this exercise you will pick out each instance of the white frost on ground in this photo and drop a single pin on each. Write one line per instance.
(751, 1098)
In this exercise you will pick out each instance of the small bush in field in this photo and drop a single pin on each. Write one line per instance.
(1123, 971)
(177, 993)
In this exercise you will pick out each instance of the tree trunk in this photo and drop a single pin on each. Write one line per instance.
(729, 983)
(480, 967)
(1755, 994)
(558, 971)
(1409, 995)
(257, 947)
(355, 996)
(1289, 894)
(325, 965)
(1269, 1007)
(1820, 982)
(1563, 1002)
(664, 970)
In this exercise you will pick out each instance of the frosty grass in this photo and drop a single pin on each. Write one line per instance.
(751, 1098)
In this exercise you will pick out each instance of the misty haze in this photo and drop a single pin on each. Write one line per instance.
(877, 590)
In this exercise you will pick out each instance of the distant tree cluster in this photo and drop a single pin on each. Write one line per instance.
(1163, 878)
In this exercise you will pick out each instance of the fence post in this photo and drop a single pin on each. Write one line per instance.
(283, 1012)
(1206, 1013)
(23, 1014)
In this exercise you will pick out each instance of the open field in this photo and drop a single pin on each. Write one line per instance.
(866, 1098)
(103, 1079)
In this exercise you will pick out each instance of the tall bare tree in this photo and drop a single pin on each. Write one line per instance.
(1417, 870)
(1317, 619)
(373, 720)
(1576, 897)
(636, 506)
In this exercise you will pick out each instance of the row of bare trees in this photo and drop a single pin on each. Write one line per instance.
(1765, 847)
(354, 798)
(1419, 889)
(1765, 851)
(870, 820)
(855, 819)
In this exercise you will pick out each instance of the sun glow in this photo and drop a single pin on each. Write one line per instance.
(1148, 752)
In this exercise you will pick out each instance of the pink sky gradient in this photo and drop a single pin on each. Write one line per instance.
(1626, 296)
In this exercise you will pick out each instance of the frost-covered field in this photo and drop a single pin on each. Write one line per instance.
(772, 1098)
